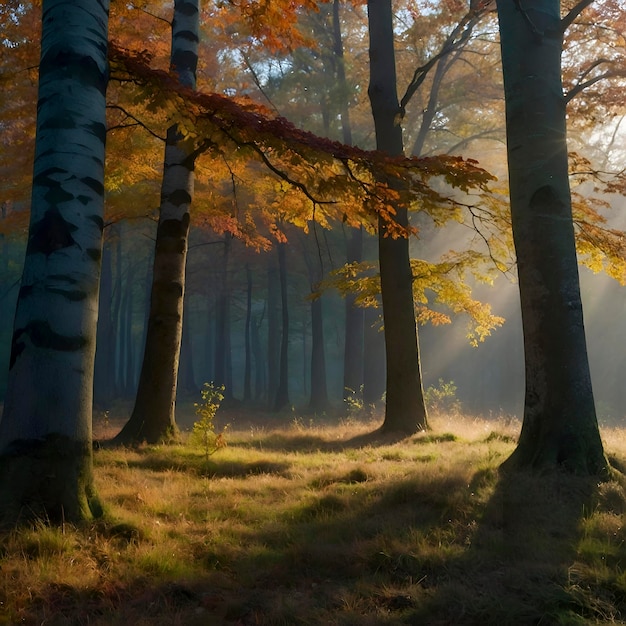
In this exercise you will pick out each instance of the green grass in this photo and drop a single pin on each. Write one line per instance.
(328, 524)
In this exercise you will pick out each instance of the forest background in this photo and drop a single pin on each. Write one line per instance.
(290, 63)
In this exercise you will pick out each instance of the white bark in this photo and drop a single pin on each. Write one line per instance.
(51, 370)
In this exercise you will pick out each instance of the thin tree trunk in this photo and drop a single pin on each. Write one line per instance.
(353, 355)
(260, 378)
(560, 426)
(223, 370)
(404, 409)
(273, 347)
(247, 375)
(153, 417)
(104, 382)
(45, 431)
(127, 312)
(117, 309)
(319, 389)
(282, 393)
(374, 358)
(354, 315)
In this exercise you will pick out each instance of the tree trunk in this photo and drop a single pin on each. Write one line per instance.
(45, 431)
(273, 345)
(117, 309)
(247, 374)
(223, 371)
(282, 393)
(104, 374)
(374, 357)
(354, 320)
(127, 334)
(260, 378)
(404, 409)
(560, 426)
(319, 389)
(353, 353)
(153, 417)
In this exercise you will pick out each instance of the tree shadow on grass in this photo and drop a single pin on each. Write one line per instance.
(213, 468)
(429, 548)
(311, 443)
(518, 567)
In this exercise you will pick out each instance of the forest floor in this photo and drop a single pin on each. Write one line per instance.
(318, 521)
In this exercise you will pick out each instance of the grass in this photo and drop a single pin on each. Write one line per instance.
(316, 523)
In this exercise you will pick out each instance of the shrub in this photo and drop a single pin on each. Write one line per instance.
(203, 433)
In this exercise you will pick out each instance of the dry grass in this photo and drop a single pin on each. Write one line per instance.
(321, 523)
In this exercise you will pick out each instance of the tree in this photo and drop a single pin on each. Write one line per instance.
(45, 432)
(405, 410)
(560, 426)
(281, 400)
(153, 417)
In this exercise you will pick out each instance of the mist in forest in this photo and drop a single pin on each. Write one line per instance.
(489, 378)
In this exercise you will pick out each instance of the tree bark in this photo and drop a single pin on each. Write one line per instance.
(560, 426)
(374, 358)
(405, 411)
(247, 374)
(273, 346)
(318, 400)
(223, 370)
(260, 377)
(353, 353)
(153, 417)
(282, 393)
(45, 431)
(104, 371)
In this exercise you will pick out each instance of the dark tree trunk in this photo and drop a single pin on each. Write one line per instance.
(209, 343)
(319, 390)
(273, 326)
(104, 374)
(354, 321)
(127, 332)
(560, 426)
(45, 430)
(353, 354)
(223, 373)
(405, 411)
(153, 417)
(260, 378)
(116, 309)
(374, 358)
(282, 393)
(247, 374)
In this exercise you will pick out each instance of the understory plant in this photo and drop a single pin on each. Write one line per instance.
(203, 433)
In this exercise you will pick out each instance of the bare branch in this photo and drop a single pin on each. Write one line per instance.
(576, 10)
(130, 116)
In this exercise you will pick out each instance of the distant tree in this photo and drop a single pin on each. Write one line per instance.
(45, 431)
(560, 426)
(281, 400)
(153, 417)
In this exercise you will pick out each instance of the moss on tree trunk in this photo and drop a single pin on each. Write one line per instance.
(48, 479)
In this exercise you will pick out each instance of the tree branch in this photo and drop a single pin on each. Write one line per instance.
(576, 10)
(138, 122)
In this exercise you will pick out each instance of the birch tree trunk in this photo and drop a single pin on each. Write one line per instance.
(404, 408)
(45, 432)
(153, 417)
(560, 426)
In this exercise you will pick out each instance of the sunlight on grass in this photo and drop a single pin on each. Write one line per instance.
(325, 523)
